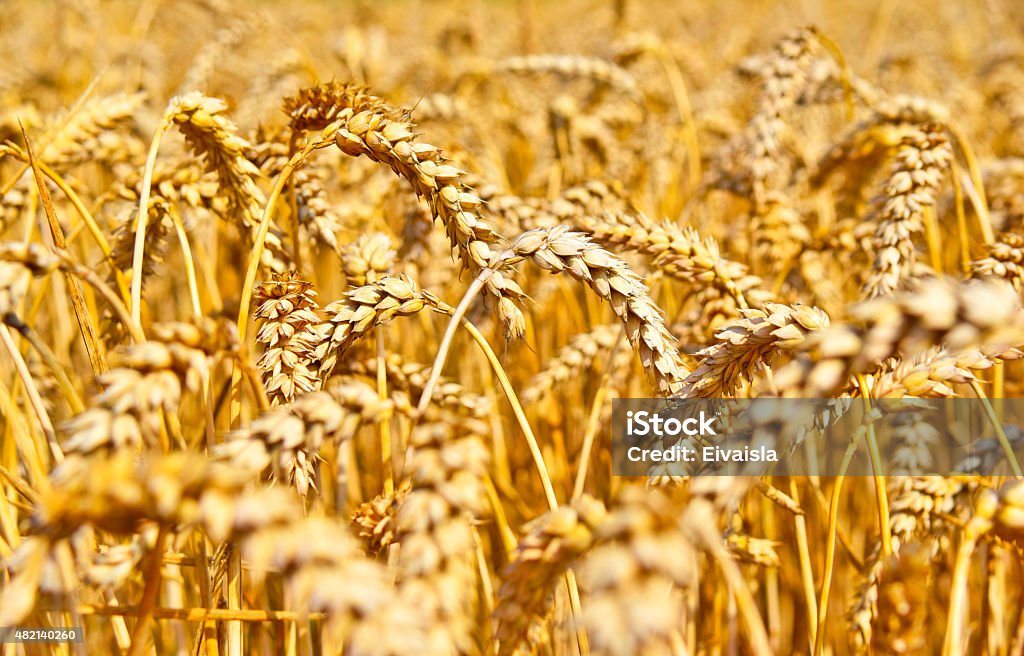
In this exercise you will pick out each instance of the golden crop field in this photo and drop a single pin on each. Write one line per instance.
(314, 314)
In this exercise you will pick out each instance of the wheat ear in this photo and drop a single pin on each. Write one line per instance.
(561, 251)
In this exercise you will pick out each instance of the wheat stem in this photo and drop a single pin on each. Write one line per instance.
(963, 235)
(32, 452)
(758, 636)
(878, 475)
(976, 190)
(150, 594)
(85, 325)
(33, 392)
(685, 109)
(577, 610)
(449, 334)
(997, 425)
(386, 459)
(593, 423)
(50, 358)
(190, 267)
(234, 594)
(806, 570)
(830, 549)
(138, 253)
(73, 268)
(933, 237)
(517, 409)
(959, 601)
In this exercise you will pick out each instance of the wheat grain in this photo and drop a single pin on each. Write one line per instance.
(1003, 180)
(935, 312)
(581, 353)
(121, 251)
(931, 374)
(629, 577)
(367, 259)
(277, 492)
(215, 139)
(549, 545)
(910, 190)
(435, 562)
(287, 440)
(316, 212)
(370, 127)
(560, 250)
(746, 347)
(1003, 259)
(597, 209)
(902, 604)
(919, 504)
(603, 72)
(410, 378)
(913, 440)
(287, 312)
(145, 384)
(89, 135)
(361, 309)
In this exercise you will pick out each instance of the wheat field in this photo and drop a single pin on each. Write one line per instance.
(314, 314)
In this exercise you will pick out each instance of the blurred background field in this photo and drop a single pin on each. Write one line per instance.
(221, 430)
